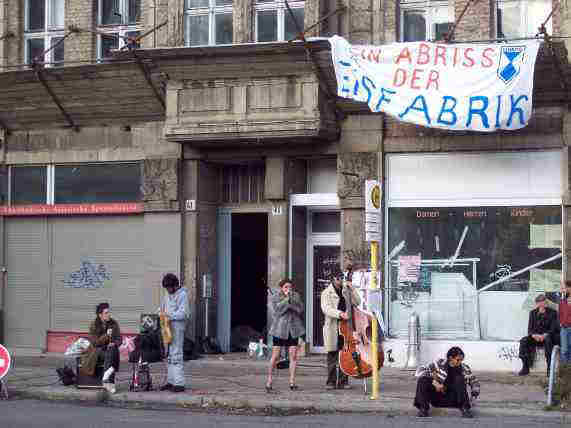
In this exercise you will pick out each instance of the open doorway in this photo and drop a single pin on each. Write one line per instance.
(249, 277)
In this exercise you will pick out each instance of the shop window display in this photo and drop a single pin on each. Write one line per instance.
(471, 272)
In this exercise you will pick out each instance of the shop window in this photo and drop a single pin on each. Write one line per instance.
(243, 183)
(273, 22)
(44, 24)
(208, 22)
(471, 272)
(522, 18)
(425, 20)
(326, 222)
(117, 182)
(119, 21)
(28, 185)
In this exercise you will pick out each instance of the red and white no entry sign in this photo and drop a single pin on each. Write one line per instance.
(4, 361)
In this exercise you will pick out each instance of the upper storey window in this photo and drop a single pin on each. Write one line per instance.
(521, 18)
(118, 20)
(274, 22)
(425, 20)
(44, 24)
(208, 22)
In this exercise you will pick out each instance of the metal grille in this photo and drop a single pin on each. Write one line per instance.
(243, 183)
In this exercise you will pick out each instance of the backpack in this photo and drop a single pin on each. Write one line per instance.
(66, 376)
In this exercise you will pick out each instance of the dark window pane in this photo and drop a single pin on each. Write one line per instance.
(290, 26)
(223, 2)
(414, 26)
(326, 222)
(36, 15)
(29, 185)
(97, 183)
(3, 184)
(441, 30)
(110, 13)
(267, 26)
(35, 50)
(223, 28)
(108, 43)
(133, 35)
(134, 11)
(58, 51)
(198, 30)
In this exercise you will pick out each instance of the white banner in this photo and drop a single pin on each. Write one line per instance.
(478, 87)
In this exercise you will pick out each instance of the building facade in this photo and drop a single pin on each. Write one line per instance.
(215, 148)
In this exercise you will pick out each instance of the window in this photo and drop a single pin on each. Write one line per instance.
(119, 20)
(28, 185)
(274, 22)
(243, 183)
(208, 22)
(471, 271)
(74, 184)
(97, 183)
(44, 24)
(325, 222)
(520, 18)
(425, 20)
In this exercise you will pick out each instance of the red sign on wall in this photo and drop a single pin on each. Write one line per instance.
(4, 361)
(73, 209)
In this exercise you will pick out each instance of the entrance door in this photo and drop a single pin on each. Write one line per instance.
(325, 259)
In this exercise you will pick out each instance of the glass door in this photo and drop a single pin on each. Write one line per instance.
(325, 258)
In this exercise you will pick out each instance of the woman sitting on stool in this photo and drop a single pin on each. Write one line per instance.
(105, 338)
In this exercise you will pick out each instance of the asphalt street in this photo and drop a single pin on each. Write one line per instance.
(35, 414)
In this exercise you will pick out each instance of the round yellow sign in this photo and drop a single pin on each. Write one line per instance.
(376, 196)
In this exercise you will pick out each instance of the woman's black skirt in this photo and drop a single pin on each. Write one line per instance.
(290, 341)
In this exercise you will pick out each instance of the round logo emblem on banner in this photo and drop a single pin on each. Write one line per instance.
(376, 196)
(4, 361)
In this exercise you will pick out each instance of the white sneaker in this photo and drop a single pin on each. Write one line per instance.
(110, 387)
(108, 374)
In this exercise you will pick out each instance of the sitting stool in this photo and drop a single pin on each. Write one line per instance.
(92, 382)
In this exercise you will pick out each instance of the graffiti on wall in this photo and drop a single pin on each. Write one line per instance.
(88, 275)
(509, 352)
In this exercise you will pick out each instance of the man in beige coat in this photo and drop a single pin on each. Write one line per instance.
(334, 301)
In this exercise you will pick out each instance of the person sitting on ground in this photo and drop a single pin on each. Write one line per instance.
(105, 338)
(444, 382)
(542, 330)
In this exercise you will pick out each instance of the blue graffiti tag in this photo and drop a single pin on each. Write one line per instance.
(87, 276)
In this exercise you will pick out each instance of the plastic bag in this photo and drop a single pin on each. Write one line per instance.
(77, 348)
(257, 350)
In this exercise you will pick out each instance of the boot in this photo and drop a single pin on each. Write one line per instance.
(525, 367)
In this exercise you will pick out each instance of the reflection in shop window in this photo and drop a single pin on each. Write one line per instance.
(97, 183)
(28, 185)
(471, 272)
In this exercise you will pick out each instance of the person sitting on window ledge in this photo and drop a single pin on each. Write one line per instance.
(542, 330)
(444, 382)
(105, 338)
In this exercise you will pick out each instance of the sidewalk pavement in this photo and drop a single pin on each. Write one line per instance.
(234, 382)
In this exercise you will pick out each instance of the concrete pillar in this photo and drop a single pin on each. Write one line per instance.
(81, 14)
(565, 22)
(358, 160)
(243, 15)
(278, 219)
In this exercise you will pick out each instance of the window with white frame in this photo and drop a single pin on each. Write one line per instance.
(521, 18)
(273, 22)
(118, 20)
(208, 22)
(425, 20)
(44, 29)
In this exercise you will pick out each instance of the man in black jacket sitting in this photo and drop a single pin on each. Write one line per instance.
(542, 330)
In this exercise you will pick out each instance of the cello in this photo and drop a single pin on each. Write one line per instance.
(356, 359)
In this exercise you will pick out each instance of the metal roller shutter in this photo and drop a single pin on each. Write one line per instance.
(28, 282)
(98, 259)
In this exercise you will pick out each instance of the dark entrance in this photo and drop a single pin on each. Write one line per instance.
(249, 277)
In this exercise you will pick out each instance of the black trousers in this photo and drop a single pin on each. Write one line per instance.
(454, 396)
(110, 358)
(334, 376)
(528, 344)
